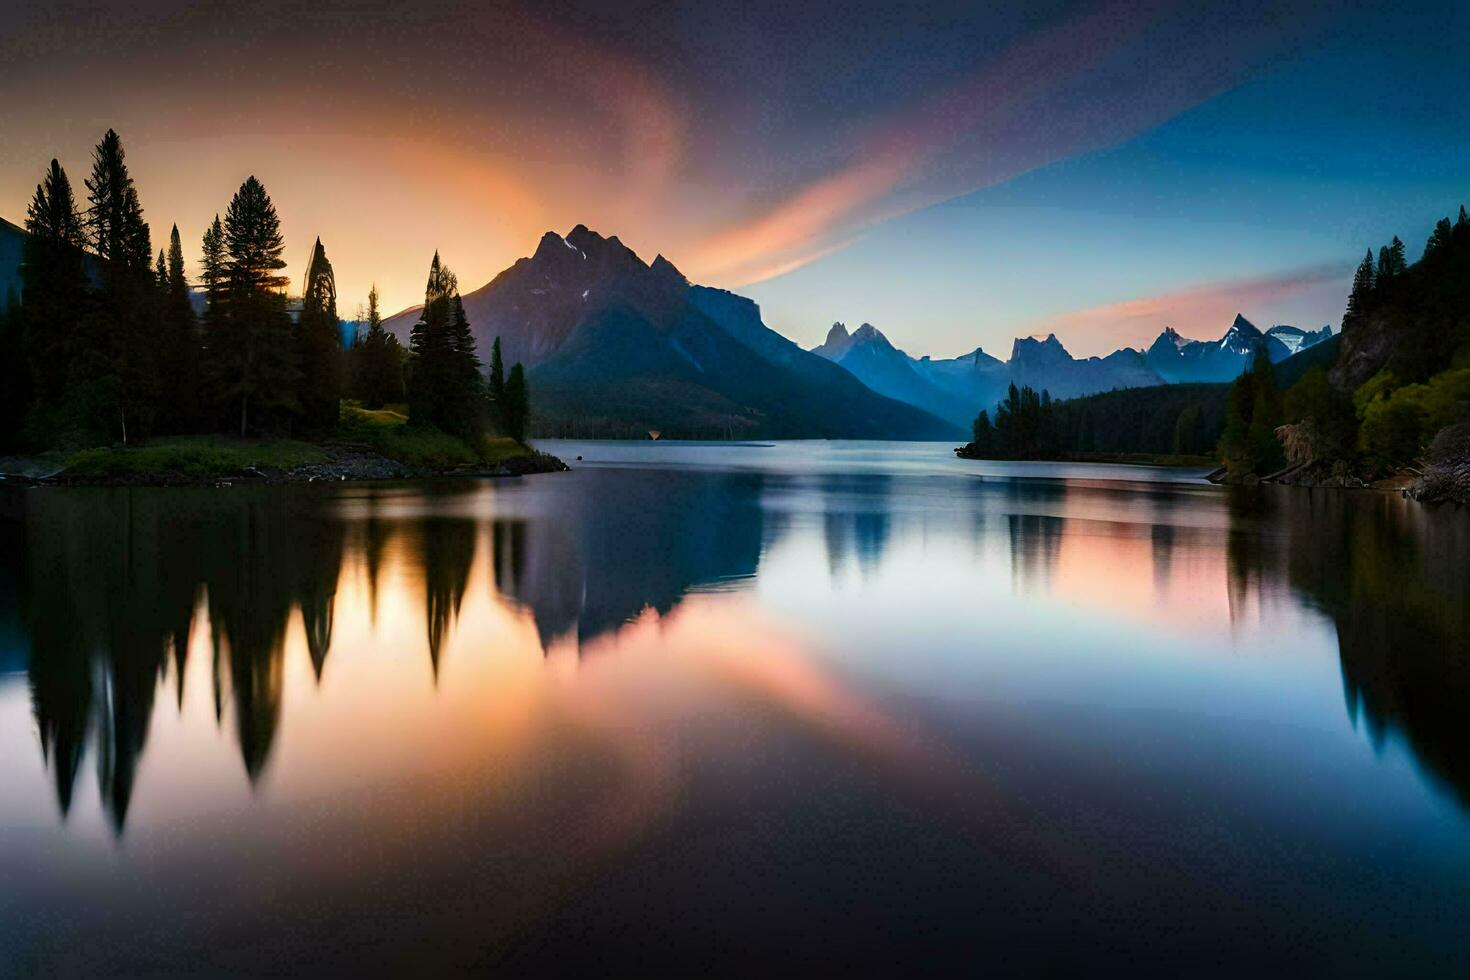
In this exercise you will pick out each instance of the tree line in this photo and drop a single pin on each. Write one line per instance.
(1183, 419)
(106, 341)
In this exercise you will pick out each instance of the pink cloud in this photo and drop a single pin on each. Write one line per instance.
(1201, 311)
(1097, 78)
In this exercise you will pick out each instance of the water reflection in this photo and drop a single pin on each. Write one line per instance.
(108, 585)
(1394, 579)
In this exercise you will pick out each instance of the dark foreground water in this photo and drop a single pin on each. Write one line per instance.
(731, 709)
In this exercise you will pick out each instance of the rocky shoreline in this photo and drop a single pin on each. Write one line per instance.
(344, 463)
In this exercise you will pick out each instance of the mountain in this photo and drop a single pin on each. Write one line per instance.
(958, 388)
(1045, 365)
(869, 357)
(617, 347)
(1297, 339)
(1177, 359)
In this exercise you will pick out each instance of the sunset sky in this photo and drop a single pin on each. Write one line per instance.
(954, 174)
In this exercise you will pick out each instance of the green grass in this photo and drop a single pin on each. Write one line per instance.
(386, 431)
(193, 457)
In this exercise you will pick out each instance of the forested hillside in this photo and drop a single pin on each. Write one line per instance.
(1390, 394)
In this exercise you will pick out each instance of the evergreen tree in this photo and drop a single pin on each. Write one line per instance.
(1265, 415)
(1362, 291)
(179, 346)
(1397, 263)
(212, 267)
(1249, 444)
(1462, 228)
(319, 345)
(115, 226)
(160, 271)
(1439, 239)
(250, 343)
(981, 433)
(517, 410)
(119, 361)
(496, 385)
(1385, 267)
(54, 287)
(379, 358)
(444, 388)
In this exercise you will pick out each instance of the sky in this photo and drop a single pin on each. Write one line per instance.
(957, 174)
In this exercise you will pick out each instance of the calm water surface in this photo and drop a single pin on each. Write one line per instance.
(725, 708)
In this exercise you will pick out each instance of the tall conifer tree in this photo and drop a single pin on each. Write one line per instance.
(119, 361)
(251, 344)
(379, 358)
(516, 413)
(319, 345)
(179, 345)
(55, 286)
(496, 384)
(444, 384)
(1362, 290)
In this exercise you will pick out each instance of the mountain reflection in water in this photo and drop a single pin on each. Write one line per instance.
(337, 620)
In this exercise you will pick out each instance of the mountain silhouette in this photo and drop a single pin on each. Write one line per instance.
(617, 347)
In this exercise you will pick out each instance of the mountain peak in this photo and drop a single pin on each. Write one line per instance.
(667, 271)
(838, 334)
(867, 332)
(1048, 347)
(1242, 325)
(554, 248)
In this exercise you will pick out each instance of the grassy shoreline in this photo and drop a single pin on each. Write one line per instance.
(368, 445)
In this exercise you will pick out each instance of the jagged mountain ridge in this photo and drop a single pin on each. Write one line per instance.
(958, 388)
(1177, 359)
(614, 346)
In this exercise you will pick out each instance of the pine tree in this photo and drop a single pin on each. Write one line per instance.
(379, 374)
(1439, 239)
(1249, 445)
(1362, 291)
(212, 266)
(179, 345)
(1398, 265)
(115, 226)
(444, 388)
(160, 271)
(1385, 267)
(517, 411)
(119, 362)
(319, 345)
(1462, 228)
(55, 287)
(496, 385)
(1265, 415)
(250, 344)
(981, 433)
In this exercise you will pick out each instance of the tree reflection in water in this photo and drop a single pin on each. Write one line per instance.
(107, 583)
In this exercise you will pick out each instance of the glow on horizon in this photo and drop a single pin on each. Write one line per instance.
(751, 148)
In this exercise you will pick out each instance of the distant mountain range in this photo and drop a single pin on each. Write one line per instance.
(957, 388)
(1177, 359)
(614, 346)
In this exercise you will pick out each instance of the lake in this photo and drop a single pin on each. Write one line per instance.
(735, 708)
